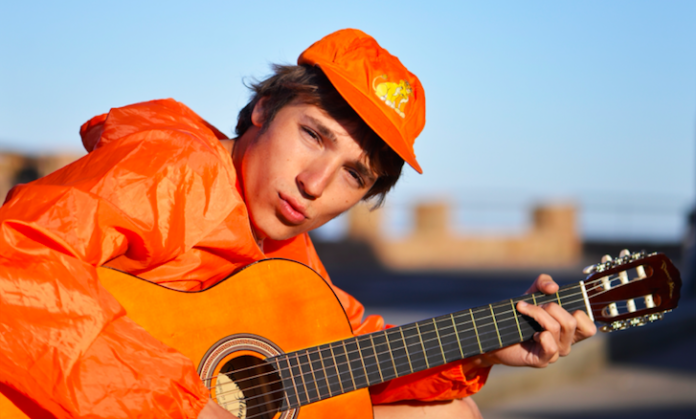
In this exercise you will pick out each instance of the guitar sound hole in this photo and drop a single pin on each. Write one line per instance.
(253, 388)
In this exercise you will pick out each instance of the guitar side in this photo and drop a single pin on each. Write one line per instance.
(281, 301)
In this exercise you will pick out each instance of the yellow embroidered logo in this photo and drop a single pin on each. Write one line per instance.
(395, 95)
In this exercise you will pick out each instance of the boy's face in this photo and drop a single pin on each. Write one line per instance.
(300, 172)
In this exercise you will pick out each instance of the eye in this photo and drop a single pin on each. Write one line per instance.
(357, 177)
(312, 134)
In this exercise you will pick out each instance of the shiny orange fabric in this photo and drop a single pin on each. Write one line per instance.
(157, 196)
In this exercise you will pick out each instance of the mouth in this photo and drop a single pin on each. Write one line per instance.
(291, 210)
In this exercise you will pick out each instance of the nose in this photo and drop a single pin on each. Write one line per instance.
(315, 178)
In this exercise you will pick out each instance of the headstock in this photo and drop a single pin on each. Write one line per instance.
(632, 290)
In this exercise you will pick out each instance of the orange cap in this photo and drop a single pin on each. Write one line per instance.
(388, 97)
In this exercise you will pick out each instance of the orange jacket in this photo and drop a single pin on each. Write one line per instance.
(157, 196)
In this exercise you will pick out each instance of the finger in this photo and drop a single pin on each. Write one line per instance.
(568, 325)
(548, 349)
(541, 316)
(545, 284)
(585, 326)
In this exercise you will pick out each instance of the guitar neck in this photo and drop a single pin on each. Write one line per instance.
(324, 371)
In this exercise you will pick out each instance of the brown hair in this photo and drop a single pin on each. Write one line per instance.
(309, 85)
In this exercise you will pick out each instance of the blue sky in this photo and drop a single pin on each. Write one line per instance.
(592, 102)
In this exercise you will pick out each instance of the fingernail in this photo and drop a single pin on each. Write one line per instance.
(523, 303)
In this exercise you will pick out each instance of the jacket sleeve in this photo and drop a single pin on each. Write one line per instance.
(66, 343)
(452, 381)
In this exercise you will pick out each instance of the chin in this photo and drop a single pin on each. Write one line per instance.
(280, 231)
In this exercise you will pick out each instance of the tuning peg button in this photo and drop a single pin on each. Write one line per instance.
(589, 269)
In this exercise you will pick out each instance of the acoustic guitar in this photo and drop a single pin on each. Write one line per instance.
(272, 340)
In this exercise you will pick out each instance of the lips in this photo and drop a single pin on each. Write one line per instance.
(291, 210)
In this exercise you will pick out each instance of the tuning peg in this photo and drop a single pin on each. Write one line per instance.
(589, 269)
(624, 253)
(606, 258)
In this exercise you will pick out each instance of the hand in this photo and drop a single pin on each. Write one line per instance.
(561, 330)
(213, 410)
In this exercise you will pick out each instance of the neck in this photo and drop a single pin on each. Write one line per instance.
(327, 370)
(236, 147)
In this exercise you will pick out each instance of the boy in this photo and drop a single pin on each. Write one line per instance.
(167, 197)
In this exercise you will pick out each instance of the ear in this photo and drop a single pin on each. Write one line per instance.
(258, 114)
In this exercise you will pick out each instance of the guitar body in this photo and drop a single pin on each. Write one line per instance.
(270, 305)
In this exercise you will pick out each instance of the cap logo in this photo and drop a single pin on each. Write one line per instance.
(394, 95)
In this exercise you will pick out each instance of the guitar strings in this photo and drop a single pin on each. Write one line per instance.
(482, 309)
(319, 384)
(309, 361)
(477, 310)
(485, 337)
(308, 353)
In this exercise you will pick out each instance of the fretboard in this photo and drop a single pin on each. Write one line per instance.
(324, 371)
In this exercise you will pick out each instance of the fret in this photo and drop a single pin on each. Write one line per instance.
(431, 343)
(517, 321)
(319, 373)
(558, 298)
(385, 355)
(374, 348)
(414, 347)
(467, 333)
(439, 342)
(367, 350)
(456, 335)
(387, 368)
(534, 300)
(542, 299)
(478, 339)
(345, 372)
(449, 342)
(303, 364)
(507, 324)
(298, 379)
(486, 328)
(333, 382)
(408, 356)
(402, 363)
(420, 339)
(356, 364)
(572, 298)
(337, 377)
(495, 323)
(528, 326)
(291, 399)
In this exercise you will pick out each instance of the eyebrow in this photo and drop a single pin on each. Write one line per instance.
(365, 171)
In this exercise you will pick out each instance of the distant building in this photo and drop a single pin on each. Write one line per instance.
(19, 168)
(551, 241)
